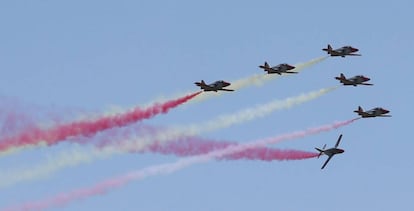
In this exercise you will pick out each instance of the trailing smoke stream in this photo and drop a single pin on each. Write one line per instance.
(225, 121)
(124, 144)
(34, 135)
(258, 79)
(59, 133)
(196, 146)
(110, 184)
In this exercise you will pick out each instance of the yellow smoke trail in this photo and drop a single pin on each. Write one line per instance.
(17, 149)
(256, 79)
(259, 79)
(66, 159)
(79, 156)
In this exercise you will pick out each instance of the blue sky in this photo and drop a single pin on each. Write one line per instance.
(63, 57)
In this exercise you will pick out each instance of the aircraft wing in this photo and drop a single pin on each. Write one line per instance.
(364, 114)
(339, 140)
(385, 115)
(230, 90)
(353, 54)
(367, 84)
(326, 162)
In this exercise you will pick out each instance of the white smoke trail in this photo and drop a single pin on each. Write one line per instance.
(77, 157)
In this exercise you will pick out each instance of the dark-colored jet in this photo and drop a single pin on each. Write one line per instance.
(330, 152)
(378, 111)
(344, 51)
(354, 81)
(216, 86)
(278, 69)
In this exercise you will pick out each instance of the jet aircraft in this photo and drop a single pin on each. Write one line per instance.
(342, 52)
(378, 111)
(216, 86)
(354, 81)
(278, 69)
(330, 152)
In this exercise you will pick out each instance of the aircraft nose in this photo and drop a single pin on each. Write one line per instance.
(226, 83)
(355, 49)
(386, 111)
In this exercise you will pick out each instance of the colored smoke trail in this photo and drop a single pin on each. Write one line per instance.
(77, 157)
(225, 121)
(258, 79)
(61, 132)
(110, 184)
(196, 146)
(185, 147)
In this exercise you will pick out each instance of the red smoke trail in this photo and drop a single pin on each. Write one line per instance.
(116, 182)
(196, 146)
(192, 145)
(59, 133)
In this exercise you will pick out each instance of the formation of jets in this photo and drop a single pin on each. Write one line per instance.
(286, 68)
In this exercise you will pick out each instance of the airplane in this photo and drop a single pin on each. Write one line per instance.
(378, 111)
(278, 69)
(216, 86)
(330, 152)
(342, 52)
(354, 81)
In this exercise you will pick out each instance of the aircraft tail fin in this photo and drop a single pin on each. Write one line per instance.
(328, 49)
(321, 151)
(200, 84)
(265, 67)
(341, 77)
(360, 110)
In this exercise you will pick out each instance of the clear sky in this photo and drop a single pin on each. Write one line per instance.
(60, 58)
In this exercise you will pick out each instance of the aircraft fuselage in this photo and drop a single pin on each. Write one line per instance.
(333, 151)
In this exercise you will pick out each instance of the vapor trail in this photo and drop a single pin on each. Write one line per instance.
(191, 146)
(225, 121)
(126, 143)
(258, 79)
(110, 184)
(61, 132)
